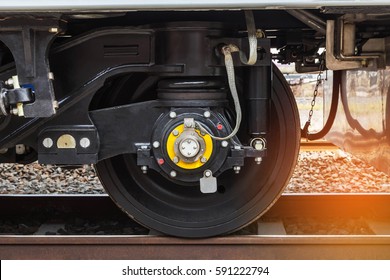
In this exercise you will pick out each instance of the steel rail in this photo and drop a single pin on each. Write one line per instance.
(133, 5)
(317, 145)
(228, 247)
(235, 247)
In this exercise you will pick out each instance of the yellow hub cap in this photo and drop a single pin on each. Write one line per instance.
(189, 152)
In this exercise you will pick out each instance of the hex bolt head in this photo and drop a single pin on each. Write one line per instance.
(53, 30)
(85, 142)
(258, 160)
(224, 144)
(175, 132)
(20, 149)
(9, 82)
(173, 174)
(203, 160)
(237, 169)
(176, 160)
(47, 143)
(55, 104)
(156, 144)
(172, 115)
(144, 169)
(258, 145)
(207, 114)
(15, 111)
(207, 173)
(50, 76)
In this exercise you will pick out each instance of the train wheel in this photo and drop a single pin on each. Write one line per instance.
(159, 204)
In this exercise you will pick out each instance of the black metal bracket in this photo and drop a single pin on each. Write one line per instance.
(12, 97)
(68, 145)
(29, 39)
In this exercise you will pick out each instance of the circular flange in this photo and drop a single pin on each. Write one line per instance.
(167, 131)
(189, 147)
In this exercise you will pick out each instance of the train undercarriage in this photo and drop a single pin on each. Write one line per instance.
(192, 128)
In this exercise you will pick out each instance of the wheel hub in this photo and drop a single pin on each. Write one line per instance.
(187, 147)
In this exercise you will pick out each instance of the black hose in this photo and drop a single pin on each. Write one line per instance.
(332, 113)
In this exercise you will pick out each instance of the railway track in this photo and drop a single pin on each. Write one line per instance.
(271, 241)
(317, 145)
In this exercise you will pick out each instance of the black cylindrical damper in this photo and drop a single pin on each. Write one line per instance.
(258, 95)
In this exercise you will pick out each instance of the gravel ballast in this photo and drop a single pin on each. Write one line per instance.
(336, 172)
(322, 172)
(48, 179)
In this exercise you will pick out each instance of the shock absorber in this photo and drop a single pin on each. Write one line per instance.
(258, 94)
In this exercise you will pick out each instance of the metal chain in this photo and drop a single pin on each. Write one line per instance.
(315, 93)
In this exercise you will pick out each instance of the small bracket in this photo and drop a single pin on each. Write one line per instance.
(68, 145)
(208, 183)
(29, 40)
(340, 48)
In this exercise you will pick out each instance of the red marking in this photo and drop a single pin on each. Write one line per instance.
(160, 161)
(219, 126)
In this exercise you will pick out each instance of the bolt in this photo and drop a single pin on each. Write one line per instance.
(260, 34)
(258, 145)
(144, 169)
(175, 132)
(225, 144)
(207, 114)
(172, 115)
(176, 160)
(55, 104)
(237, 169)
(50, 76)
(47, 143)
(53, 30)
(9, 82)
(85, 142)
(208, 173)
(15, 111)
(237, 147)
(144, 147)
(20, 149)
(156, 144)
(173, 174)
(258, 160)
(203, 160)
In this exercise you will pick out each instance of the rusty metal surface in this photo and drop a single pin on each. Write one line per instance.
(146, 247)
(367, 136)
(318, 145)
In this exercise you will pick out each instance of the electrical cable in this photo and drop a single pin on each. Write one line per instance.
(227, 52)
